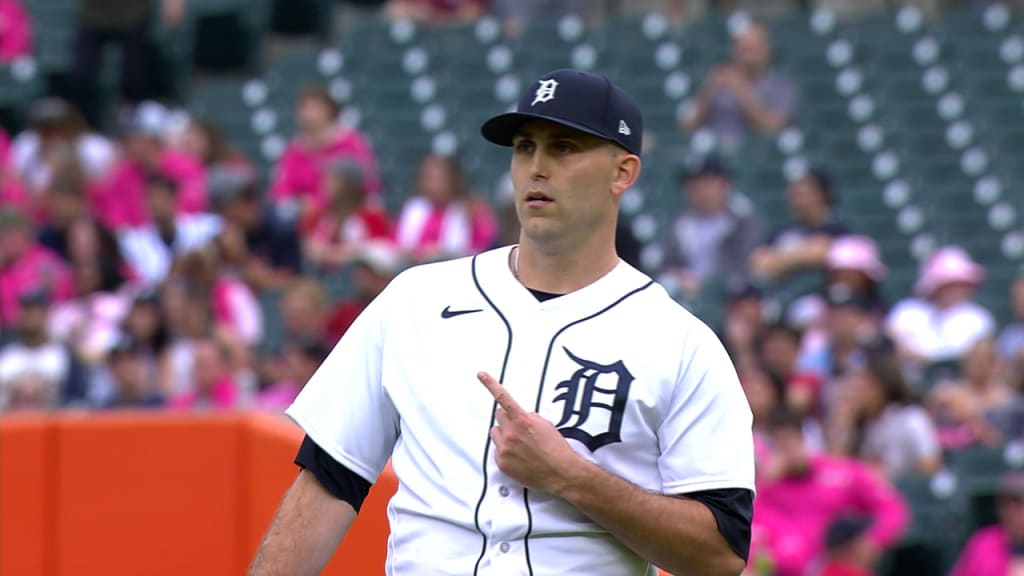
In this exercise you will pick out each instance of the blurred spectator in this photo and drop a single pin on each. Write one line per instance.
(517, 14)
(942, 320)
(120, 202)
(187, 315)
(980, 407)
(875, 418)
(376, 266)
(264, 248)
(854, 262)
(996, 550)
(335, 233)
(215, 272)
(64, 203)
(125, 24)
(15, 31)
(803, 493)
(204, 141)
(90, 322)
(744, 322)
(298, 188)
(436, 11)
(803, 244)
(745, 95)
(779, 348)
(152, 247)
(1011, 339)
(834, 350)
(213, 386)
(301, 360)
(26, 266)
(444, 219)
(303, 309)
(34, 369)
(90, 242)
(848, 548)
(716, 232)
(132, 377)
(145, 325)
(58, 139)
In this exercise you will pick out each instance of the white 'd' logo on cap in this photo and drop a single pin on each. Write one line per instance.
(545, 92)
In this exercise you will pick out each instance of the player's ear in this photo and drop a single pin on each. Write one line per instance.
(627, 169)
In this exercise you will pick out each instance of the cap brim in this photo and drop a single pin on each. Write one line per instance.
(502, 128)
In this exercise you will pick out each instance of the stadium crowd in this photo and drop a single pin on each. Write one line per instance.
(135, 265)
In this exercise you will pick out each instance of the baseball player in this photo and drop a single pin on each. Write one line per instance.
(547, 408)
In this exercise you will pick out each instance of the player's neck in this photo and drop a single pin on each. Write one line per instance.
(561, 271)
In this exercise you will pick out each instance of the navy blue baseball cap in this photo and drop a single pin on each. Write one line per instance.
(587, 102)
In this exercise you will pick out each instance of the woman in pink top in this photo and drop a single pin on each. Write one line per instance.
(15, 31)
(803, 493)
(998, 550)
(299, 175)
(119, 200)
(444, 219)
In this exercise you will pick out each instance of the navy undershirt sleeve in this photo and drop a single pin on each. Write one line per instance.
(343, 483)
(733, 509)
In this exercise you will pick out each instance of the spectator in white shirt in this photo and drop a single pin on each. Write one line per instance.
(152, 248)
(34, 370)
(875, 418)
(942, 320)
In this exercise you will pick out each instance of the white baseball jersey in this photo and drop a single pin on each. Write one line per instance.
(633, 381)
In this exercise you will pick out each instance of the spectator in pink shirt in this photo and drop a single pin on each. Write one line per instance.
(120, 201)
(802, 494)
(15, 31)
(213, 386)
(12, 190)
(300, 361)
(998, 550)
(298, 188)
(25, 266)
(444, 219)
(5, 147)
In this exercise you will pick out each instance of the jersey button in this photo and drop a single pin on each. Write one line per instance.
(505, 546)
(503, 491)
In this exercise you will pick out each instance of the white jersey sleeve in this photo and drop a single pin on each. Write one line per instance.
(706, 441)
(344, 407)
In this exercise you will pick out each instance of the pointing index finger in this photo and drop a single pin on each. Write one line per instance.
(501, 395)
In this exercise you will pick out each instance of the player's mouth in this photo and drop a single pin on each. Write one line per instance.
(536, 199)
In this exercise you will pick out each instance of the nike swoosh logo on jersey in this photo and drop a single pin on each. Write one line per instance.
(449, 313)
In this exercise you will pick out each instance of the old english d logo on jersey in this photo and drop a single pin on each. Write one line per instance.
(593, 400)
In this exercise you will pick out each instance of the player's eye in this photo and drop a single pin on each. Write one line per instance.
(564, 147)
(524, 146)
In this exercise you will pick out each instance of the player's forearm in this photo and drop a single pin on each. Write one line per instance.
(307, 529)
(676, 534)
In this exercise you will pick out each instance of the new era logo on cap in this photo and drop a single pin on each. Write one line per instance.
(581, 100)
